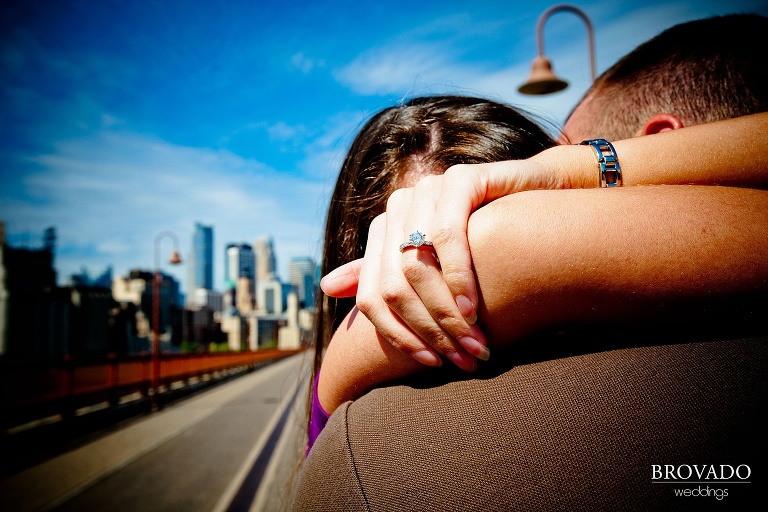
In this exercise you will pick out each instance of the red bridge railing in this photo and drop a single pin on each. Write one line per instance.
(34, 390)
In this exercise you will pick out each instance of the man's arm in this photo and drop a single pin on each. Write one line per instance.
(557, 256)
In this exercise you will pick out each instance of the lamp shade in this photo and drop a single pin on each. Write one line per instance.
(542, 79)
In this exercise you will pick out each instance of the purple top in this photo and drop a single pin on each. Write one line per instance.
(318, 417)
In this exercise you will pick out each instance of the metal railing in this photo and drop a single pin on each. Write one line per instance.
(33, 390)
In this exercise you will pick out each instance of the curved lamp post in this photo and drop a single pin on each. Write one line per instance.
(542, 79)
(175, 259)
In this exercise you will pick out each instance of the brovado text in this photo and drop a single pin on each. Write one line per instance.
(700, 472)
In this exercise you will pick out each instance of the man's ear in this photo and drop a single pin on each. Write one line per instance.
(661, 123)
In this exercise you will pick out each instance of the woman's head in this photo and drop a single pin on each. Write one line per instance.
(400, 144)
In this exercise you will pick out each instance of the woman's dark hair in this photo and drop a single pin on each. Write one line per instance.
(434, 132)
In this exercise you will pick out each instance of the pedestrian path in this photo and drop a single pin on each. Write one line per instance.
(266, 480)
(262, 397)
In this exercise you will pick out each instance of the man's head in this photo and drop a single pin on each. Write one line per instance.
(692, 73)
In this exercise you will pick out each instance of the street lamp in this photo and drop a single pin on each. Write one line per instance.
(542, 79)
(175, 259)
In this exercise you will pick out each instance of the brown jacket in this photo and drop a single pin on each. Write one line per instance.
(584, 432)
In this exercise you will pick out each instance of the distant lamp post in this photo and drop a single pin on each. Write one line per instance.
(175, 259)
(542, 79)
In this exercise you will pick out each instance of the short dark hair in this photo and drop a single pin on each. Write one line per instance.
(701, 71)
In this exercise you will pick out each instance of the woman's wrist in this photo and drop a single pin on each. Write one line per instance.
(568, 166)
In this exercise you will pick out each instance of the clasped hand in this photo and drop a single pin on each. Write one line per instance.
(424, 300)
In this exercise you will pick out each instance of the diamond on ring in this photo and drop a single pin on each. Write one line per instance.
(415, 239)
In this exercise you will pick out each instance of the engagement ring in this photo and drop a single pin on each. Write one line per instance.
(415, 239)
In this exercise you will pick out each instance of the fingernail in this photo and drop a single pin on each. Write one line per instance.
(463, 361)
(426, 357)
(475, 348)
(467, 308)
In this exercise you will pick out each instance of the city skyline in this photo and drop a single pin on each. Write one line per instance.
(122, 120)
(245, 262)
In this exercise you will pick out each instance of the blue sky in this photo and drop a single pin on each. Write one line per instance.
(122, 119)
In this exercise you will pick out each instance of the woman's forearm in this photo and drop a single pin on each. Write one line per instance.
(615, 254)
(729, 153)
(357, 360)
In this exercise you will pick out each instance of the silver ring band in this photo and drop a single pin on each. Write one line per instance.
(415, 239)
(607, 162)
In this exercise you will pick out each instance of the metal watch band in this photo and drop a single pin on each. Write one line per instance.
(607, 160)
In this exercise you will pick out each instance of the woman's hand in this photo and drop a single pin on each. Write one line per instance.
(408, 285)
(402, 316)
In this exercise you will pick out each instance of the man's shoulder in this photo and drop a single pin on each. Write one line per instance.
(559, 430)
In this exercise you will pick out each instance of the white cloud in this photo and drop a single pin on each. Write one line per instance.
(434, 60)
(325, 153)
(399, 69)
(110, 194)
(426, 71)
(282, 131)
(306, 64)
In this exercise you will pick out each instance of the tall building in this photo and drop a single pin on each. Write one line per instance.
(239, 261)
(301, 274)
(201, 260)
(265, 259)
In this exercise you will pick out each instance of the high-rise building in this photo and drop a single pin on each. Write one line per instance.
(301, 274)
(265, 259)
(201, 260)
(239, 261)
